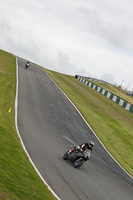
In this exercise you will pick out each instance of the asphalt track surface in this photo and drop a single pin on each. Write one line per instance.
(48, 125)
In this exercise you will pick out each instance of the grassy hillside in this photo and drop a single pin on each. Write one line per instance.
(112, 123)
(18, 179)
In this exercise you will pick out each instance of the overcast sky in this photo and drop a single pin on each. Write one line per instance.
(86, 37)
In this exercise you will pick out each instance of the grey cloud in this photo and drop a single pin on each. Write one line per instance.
(83, 72)
(64, 61)
(112, 27)
(4, 26)
(68, 36)
(108, 77)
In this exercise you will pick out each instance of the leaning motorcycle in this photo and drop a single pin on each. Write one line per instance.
(77, 157)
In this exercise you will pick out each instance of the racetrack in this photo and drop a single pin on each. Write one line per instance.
(48, 125)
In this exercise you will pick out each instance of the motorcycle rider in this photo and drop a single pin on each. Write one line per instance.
(83, 147)
(27, 64)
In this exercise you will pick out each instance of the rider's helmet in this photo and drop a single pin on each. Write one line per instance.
(91, 143)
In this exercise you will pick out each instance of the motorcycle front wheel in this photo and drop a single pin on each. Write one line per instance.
(65, 156)
(78, 162)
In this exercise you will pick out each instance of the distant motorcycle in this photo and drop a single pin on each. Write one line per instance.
(77, 157)
(27, 65)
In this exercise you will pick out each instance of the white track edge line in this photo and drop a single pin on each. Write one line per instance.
(89, 126)
(16, 106)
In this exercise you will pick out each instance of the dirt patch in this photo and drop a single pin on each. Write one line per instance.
(2, 71)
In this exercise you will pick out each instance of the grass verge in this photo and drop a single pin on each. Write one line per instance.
(18, 179)
(112, 123)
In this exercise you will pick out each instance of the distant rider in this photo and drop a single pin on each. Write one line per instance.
(27, 64)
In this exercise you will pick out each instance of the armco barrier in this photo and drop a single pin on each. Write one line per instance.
(106, 93)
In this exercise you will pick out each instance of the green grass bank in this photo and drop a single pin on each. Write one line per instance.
(18, 179)
(112, 123)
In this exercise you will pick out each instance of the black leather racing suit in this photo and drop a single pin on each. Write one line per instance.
(85, 146)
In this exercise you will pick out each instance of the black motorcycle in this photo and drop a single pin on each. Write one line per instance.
(77, 157)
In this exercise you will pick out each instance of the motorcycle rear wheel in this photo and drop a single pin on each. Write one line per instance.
(79, 162)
